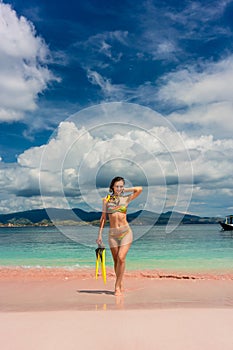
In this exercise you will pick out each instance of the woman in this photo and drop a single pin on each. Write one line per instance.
(120, 234)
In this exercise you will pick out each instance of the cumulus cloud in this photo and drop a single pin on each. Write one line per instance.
(69, 166)
(23, 69)
(75, 167)
(202, 96)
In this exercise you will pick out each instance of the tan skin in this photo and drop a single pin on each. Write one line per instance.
(117, 220)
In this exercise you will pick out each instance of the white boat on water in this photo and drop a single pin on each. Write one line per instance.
(228, 224)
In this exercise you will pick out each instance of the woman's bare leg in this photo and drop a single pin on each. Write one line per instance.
(120, 267)
(114, 251)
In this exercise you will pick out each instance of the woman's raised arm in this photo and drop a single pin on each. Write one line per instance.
(137, 190)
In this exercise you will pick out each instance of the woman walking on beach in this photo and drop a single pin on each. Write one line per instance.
(120, 234)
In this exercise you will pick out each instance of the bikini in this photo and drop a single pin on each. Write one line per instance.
(114, 206)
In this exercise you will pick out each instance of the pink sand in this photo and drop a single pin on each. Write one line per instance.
(176, 329)
(59, 309)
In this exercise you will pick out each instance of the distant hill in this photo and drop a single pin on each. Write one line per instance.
(76, 216)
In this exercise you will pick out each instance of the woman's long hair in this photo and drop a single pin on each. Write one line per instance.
(117, 178)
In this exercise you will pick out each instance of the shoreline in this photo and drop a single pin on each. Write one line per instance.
(8, 273)
(54, 289)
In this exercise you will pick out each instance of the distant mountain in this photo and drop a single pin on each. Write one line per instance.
(76, 215)
(38, 215)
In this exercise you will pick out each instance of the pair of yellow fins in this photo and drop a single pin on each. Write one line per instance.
(100, 259)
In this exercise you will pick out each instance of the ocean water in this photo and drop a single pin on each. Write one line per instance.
(190, 248)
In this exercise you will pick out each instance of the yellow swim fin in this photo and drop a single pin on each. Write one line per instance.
(100, 257)
(103, 267)
(96, 266)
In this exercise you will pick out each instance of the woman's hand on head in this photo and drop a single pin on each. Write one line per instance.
(137, 190)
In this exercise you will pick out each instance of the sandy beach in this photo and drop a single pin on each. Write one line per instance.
(64, 309)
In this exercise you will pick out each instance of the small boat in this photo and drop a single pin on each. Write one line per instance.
(228, 224)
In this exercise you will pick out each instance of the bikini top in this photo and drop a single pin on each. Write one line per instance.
(116, 204)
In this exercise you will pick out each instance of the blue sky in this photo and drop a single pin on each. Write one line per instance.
(172, 61)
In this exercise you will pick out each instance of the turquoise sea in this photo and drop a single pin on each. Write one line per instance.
(190, 248)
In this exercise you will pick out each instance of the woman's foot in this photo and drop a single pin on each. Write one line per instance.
(118, 292)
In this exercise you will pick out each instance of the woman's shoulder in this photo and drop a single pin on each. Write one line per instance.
(106, 199)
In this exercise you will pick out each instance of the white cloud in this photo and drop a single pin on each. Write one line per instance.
(102, 49)
(215, 118)
(214, 83)
(61, 146)
(110, 92)
(201, 20)
(201, 96)
(23, 70)
(78, 158)
(199, 12)
(165, 48)
(163, 31)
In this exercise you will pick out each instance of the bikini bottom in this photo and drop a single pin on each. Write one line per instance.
(120, 236)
